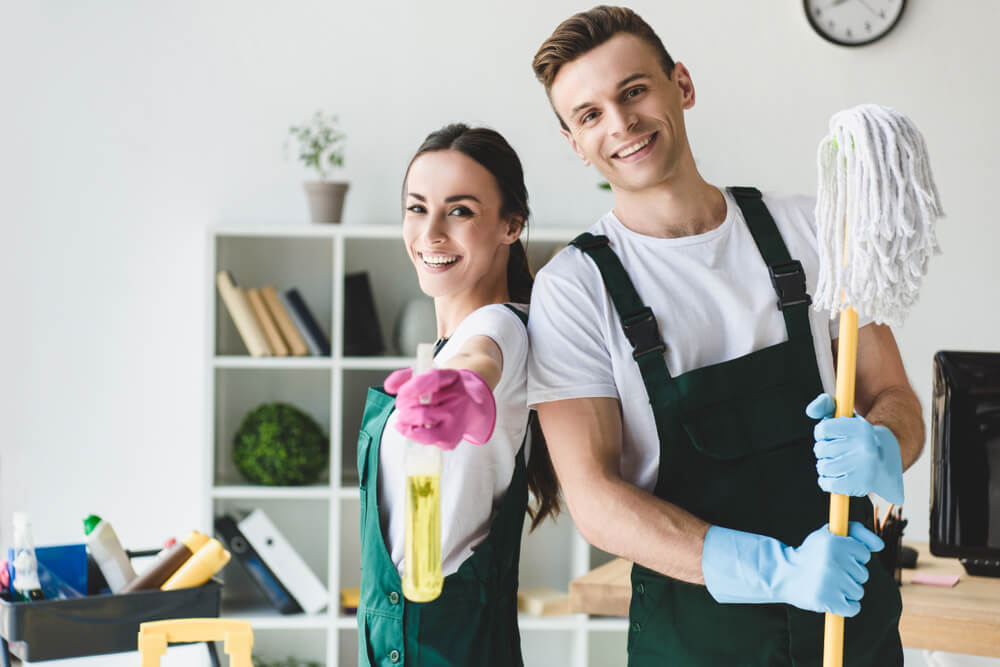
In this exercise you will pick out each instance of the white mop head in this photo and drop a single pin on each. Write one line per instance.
(875, 178)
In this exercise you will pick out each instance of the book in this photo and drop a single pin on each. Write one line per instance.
(234, 540)
(362, 334)
(267, 323)
(284, 561)
(304, 321)
(296, 345)
(239, 309)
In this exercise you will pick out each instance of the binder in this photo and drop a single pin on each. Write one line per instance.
(284, 561)
(237, 544)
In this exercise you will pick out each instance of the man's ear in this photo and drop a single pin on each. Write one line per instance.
(575, 146)
(682, 77)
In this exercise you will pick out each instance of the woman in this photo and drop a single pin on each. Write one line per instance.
(465, 208)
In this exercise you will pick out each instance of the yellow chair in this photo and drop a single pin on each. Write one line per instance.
(155, 635)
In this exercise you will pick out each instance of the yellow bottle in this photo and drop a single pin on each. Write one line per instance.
(199, 568)
(422, 578)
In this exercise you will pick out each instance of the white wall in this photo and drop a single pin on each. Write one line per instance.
(130, 127)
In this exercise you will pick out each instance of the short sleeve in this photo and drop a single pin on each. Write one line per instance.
(568, 355)
(498, 323)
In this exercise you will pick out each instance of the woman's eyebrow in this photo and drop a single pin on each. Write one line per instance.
(447, 200)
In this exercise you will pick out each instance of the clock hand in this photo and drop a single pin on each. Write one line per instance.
(868, 7)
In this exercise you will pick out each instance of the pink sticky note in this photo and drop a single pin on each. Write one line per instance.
(945, 580)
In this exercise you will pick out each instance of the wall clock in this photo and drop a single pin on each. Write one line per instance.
(853, 22)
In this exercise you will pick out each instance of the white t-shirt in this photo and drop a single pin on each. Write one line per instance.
(713, 300)
(474, 479)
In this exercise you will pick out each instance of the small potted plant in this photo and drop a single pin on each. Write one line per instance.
(321, 147)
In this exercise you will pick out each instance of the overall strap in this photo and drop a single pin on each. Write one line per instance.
(787, 276)
(523, 316)
(637, 320)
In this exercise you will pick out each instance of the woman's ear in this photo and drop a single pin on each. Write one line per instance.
(515, 225)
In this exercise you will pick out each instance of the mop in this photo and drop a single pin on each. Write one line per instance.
(875, 210)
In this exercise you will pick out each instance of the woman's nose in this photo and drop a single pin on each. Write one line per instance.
(435, 231)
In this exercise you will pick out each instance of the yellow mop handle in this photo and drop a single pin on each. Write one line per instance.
(847, 361)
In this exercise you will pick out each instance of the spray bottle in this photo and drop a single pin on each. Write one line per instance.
(25, 586)
(422, 578)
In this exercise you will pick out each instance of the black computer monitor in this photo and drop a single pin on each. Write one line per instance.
(965, 460)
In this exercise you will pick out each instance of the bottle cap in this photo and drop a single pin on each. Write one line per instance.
(195, 540)
(425, 358)
(90, 523)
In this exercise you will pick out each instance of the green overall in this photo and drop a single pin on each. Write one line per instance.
(736, 449)
(474, 621)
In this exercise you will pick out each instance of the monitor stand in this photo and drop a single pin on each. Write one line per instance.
(981, 567)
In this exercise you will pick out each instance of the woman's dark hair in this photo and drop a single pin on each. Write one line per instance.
(491, 150)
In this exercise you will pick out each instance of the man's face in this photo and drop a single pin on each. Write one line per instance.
(623, 113)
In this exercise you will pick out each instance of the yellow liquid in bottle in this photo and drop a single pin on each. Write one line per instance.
(422, 578)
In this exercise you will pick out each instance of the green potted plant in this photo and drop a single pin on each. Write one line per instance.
(321, 147)
(277, 444)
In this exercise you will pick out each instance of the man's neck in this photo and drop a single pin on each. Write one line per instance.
(683, 207)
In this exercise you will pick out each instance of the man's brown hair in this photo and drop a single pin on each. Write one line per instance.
(588, 30)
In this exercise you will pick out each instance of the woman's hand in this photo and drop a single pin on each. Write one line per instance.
(443, 406)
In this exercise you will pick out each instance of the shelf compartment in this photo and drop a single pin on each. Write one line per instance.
(285, 262)
(239, 390)
(391, 290)
(305, 523)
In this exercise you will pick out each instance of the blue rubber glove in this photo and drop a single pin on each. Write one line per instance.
(853, 457)
(825, 574)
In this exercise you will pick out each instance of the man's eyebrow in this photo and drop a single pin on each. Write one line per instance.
(447, 200)
(621, 84)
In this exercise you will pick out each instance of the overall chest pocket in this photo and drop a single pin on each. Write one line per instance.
(749, 425)
(749, 406)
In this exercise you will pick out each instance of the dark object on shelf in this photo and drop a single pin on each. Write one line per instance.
(312, 331)
(362, 333)
(279, 445)
(965, 460)
(250, 560)
(94, 625)
(908, 557)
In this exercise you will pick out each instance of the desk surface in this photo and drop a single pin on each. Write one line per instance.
(963, 619)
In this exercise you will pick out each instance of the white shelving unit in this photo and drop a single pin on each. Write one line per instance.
(322, 520)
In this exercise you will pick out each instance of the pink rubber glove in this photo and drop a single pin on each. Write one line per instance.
(458, 405)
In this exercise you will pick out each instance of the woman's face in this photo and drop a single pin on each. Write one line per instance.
(452, 227)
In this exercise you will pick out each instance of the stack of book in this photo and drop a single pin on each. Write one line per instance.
(272, 563)
(272, 323)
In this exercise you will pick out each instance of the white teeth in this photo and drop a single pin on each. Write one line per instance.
(439, 260)
(635, 147)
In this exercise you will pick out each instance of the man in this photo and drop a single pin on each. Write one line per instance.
(673, 392)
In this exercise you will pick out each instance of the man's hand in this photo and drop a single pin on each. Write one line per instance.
(853, 457)
(826, 573)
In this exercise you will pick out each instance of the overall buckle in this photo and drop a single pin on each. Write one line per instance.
(642, 332)
(789, 282)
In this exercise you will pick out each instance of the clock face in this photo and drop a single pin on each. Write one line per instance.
(853, 22)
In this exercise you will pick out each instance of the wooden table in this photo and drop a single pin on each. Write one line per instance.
(963, 619)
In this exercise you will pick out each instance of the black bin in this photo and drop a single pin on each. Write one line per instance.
(97, 624)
